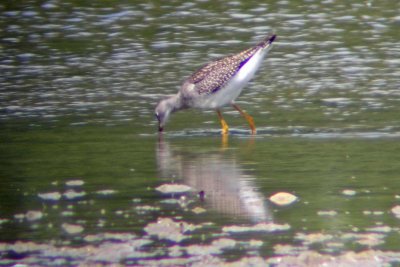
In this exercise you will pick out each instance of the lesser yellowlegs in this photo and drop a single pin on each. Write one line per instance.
(217, 84)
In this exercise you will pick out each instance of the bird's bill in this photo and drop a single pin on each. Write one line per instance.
(272, 38)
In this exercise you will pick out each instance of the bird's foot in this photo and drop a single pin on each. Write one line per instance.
(225, 128)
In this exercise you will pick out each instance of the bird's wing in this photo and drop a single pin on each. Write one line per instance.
(213, 76)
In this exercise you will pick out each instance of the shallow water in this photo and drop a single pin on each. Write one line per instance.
(81, 160)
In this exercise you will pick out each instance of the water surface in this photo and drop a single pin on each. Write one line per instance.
(81, 159)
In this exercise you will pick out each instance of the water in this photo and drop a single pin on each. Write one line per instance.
(81, 159)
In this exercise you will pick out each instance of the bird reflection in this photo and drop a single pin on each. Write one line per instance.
(215, 173)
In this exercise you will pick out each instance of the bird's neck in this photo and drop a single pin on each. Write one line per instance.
(174, 102)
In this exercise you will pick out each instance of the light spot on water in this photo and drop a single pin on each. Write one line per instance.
(106, 192)
(166, 228)
(173, 188)
(33, 215)
(198, 210)
(147, 208)
(54, 196)
(349, 192)
(327, 213)
(261, 227)
(72, 194)
(72, 229)
(75, 183)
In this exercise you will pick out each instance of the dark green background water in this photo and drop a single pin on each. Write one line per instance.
(78, 86)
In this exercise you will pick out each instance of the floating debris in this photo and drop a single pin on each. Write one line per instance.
(396, 211)
(34, 215)
(375, 212)
(106, 192)
(198, 210)
(72, 229)
(67, 213)
(74, 183)
(170, 201)
(348, 192)
(261, 227)
(52, 196)
(166, 228)
(72, 194)
(136, 200)
(283, 198)
(147, 208)
(173, 188)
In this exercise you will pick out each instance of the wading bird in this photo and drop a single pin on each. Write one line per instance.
(216, 85)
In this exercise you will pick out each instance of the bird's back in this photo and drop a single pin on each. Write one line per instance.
(214, 75)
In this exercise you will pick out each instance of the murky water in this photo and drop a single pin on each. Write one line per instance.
(81, 160)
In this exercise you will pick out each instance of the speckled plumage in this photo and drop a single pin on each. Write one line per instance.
(214, 75)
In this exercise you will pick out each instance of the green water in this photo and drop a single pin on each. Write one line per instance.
(81, 159)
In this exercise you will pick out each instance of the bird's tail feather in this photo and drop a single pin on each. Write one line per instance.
(267, 41)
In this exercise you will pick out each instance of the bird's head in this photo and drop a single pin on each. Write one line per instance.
(162, 113)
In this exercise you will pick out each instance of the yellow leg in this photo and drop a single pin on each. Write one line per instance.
(224, 141)
(224, 125)
(248, 118)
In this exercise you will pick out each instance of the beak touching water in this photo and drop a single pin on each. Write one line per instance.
(160, 126)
